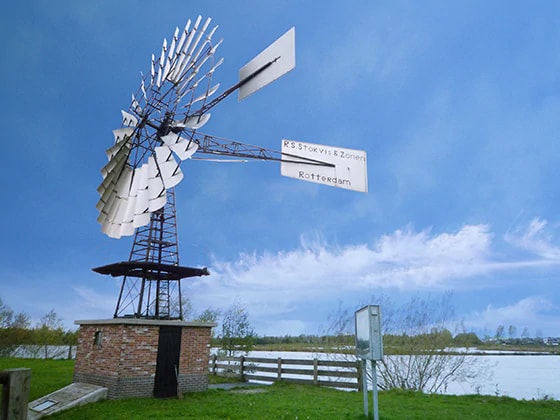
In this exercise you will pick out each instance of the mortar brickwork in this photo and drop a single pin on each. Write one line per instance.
(121, 355)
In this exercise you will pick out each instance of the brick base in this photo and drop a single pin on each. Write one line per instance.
(193, 383)
(140, 387)
(121, 355)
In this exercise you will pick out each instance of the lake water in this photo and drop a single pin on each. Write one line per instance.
(517, 376)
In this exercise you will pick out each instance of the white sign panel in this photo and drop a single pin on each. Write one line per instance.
(334, 166)
(281, 53)
(369, 343)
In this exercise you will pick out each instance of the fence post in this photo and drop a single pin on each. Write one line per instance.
(359, 372)
(242, 368)
(214, 364)
(15, 393)
(315, 372)
(279, 368)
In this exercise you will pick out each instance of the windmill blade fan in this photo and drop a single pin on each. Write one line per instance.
(142, 162)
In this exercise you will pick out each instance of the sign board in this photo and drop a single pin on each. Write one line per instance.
(334, 166)
(281, 58)
(369, 344)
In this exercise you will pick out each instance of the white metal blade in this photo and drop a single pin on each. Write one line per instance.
(183, 37)
(143, 88)
(182, 147)
(156, 189)
(172, 138)
(122, 192)
(112, 170)
(206, 41)
(129, 120)
(199, 36)
(281, 53)
(108, 229)
(141, 206)
(141, 219)
(123, 133)
(112, 230)
(122, 188)
(206, 94)
(168, 166)
(171, 51)
(119, 149)
(152, 70)
(127, 229)
(185, 50)
(195, 123)
(129, 216)
(135, 105)
(161, 63)
(114, 197)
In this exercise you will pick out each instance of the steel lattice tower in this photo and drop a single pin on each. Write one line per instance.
(151, 286)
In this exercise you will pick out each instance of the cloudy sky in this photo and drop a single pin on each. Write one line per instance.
(457, 105)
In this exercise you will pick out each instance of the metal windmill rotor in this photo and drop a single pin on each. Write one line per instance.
(159, 131)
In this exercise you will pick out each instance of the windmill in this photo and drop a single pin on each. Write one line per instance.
(160, 130)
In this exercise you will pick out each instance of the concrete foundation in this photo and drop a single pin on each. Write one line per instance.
(70, 396)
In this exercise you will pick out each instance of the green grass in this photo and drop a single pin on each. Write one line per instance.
(46, 375)
(217, 379)
(288, 401)
(283, 401)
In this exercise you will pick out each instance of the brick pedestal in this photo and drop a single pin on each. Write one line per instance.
(121, 354)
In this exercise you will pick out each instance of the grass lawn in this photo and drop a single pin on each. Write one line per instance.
(282, 401)
(288, 401)
(46, 375)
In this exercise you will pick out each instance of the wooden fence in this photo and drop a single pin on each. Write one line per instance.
(330, 373)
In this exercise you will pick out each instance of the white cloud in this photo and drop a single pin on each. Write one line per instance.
(536, 313)
(280, 287)
(283, 285)
(536, 238)
(403, 259)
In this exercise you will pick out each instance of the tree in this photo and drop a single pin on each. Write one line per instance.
(49, 332)
(208, 315)
(13, 329)
(512, 331)
(500, 332)
(6, 315)
(466, 340)
(237, 333)
(417, 333)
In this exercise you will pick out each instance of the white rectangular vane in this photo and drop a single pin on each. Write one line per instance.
(334, 166)
(280, 57)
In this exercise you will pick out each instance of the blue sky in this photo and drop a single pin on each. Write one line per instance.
(457, 105)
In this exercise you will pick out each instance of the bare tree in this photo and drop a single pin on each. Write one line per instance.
(500, 332)
(512, 331)
(237, 333)
(417, 340)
